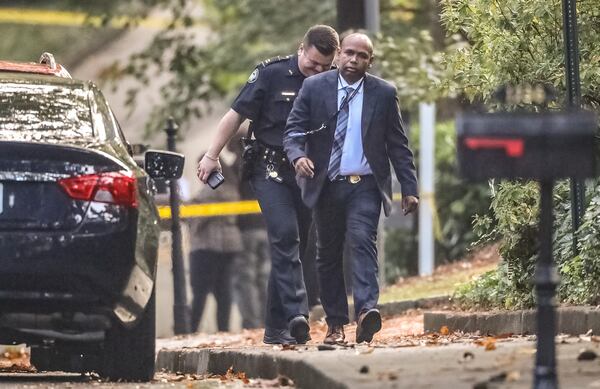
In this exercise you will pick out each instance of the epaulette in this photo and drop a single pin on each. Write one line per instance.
(273, 60)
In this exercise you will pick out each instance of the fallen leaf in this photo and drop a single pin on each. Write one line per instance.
(488, 343)
(444, 330)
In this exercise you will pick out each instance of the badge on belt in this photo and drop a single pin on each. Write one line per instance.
(354, 179)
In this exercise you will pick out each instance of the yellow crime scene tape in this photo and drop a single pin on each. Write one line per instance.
(68, 18)
(212, 209)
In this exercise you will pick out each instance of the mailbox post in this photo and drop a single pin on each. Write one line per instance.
(180, 309)
(543, 147)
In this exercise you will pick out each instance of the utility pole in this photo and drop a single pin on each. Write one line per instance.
(350, 14)
(180, 309)
(427, 184)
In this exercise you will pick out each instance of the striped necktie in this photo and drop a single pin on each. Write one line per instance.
(339, 136)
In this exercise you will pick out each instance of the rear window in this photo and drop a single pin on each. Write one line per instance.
(32, 112)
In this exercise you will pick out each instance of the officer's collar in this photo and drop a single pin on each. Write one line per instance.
(294, 70)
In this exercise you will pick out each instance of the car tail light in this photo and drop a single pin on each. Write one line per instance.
(113, 187)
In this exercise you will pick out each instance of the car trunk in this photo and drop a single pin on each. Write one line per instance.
(31, 197)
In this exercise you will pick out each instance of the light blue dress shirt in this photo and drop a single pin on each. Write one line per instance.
(353, 158)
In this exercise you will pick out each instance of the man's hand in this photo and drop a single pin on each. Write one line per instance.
(409, 204)
(304, 167)
(207, 166)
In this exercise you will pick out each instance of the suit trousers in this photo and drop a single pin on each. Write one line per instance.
(288, 221)
(349, 212)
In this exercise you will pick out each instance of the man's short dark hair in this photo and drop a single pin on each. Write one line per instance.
(323, 38)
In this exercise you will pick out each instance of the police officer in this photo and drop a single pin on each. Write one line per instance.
(266, 100)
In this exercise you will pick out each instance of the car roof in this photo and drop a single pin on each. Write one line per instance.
(46, 71)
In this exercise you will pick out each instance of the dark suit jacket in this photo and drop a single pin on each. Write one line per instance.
(383, 135)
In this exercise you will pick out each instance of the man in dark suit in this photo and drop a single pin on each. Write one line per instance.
(342, 133)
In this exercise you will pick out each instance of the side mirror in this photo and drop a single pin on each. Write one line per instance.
(164, 164)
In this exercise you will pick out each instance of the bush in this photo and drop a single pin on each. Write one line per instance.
(513, 220)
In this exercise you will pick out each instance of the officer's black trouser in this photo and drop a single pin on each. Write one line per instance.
(288, 221)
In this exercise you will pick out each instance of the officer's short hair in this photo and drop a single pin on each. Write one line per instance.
(323, 37)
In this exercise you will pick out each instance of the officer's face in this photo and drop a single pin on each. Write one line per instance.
(311, 61)
(356, 55)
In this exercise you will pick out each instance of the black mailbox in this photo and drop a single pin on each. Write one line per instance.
(526, 145)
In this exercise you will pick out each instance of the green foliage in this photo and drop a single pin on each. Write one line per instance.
(243, 34)
(456, 203)
(69, 44)
(579, 284)
(413, 64)
(512, 42)
(248, 31)
(513, 218)
(27, 42)
(401, 254)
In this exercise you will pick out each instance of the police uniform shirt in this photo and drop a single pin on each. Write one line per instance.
(268, 96)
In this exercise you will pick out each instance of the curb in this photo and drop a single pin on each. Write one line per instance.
(569, 320)
(263, 364)
(388, 309)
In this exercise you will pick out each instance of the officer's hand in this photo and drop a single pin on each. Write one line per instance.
(304, 167)
(205, 167)
(409, 204)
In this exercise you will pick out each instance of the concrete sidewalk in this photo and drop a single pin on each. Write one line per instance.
(460, 364)
(415, 357)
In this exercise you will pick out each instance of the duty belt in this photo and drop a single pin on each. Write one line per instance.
(275, 160)
(352, 179)
(272, 155)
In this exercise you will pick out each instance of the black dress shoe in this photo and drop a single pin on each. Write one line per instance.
(369, 322)
(278, 336)
(335, 335)
(299, 329)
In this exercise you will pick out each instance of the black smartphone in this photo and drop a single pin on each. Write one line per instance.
(215, 179)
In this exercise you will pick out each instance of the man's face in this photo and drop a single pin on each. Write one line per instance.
(311, 61)
(356, 54)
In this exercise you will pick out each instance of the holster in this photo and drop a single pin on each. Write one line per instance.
(250, 153)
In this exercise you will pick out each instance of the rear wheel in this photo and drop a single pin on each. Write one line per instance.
(129, 353)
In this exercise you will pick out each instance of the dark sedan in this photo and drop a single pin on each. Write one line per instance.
(78, 227)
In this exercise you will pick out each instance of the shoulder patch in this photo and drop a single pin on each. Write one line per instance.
(273, 60)
(253, 76)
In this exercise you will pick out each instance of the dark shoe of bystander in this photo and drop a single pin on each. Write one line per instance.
(369, 322)
(299, 329)
(278, 336)
(335, 335)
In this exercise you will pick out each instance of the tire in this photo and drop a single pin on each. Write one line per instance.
(129, 354)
